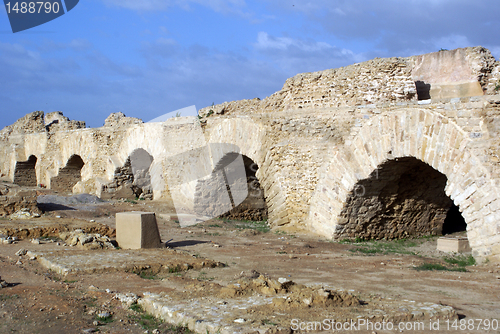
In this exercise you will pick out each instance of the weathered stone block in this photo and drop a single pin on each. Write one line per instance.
(457, 245)
(135, 230)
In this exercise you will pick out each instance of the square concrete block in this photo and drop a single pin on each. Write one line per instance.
(135, 230)
(456, 245)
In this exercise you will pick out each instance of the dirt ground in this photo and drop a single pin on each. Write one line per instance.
(38, 300)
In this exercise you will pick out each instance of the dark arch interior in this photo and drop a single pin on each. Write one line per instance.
(454, 221)
(25, 172)
(402, 198)
(232, 191)
(133, 179)
(68, 176)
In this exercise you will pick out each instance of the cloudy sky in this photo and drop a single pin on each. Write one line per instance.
(149, 57)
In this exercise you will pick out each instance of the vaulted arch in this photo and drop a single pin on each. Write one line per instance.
(69, 175)
(249, 138)
(427, 137)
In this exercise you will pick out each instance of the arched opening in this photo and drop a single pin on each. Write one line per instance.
(232, 191)
(68, 176)
(402, 198)
(25, 173)
(133, 179)
(454, 221)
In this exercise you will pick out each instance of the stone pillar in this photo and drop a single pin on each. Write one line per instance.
(136, 230)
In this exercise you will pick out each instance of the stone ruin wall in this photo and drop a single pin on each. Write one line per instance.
(310, 141)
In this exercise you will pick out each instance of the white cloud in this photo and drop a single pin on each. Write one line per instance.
(267, 42)
(391, 27)
(298, 55)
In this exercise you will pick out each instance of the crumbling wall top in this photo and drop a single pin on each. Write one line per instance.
(119, 119)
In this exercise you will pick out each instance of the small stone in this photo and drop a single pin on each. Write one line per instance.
(95, 323)
(21, 252)
(35, 241)
(155, 331)
(86, 239)
(19, 262)
(240, 321)
(104, 314)
(89, 330)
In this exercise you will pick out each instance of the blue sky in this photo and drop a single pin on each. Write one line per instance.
(149, 57)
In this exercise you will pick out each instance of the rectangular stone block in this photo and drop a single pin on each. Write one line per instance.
(136, 230)
(456, 245)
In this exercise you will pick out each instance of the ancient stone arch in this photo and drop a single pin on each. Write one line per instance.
(69, 175)
(403, 197)
(25, 172)
(133, 179)
(250, 138)
(428, 137)
(232, 190)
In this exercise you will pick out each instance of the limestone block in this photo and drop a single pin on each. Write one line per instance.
(136, 230)
(456, 245)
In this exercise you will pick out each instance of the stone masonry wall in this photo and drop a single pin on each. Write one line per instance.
(25, 173)
(316, 141)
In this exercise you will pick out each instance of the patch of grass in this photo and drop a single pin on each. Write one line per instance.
(437, 266)
(70, 281)
(203, 277)
(174, 270)
(215, 234)
(148, 275)
(7, 297)
(261, 226)
(90, 302)
(214, 225)
(136, 308)
(281, 252)
(268, 322)
(145, 320)
(130, 201)
(384, 247)
(105, 320)
(461, 260)
(455, 263)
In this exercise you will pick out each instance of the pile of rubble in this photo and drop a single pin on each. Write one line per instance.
(87, 240)
(8, 240)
